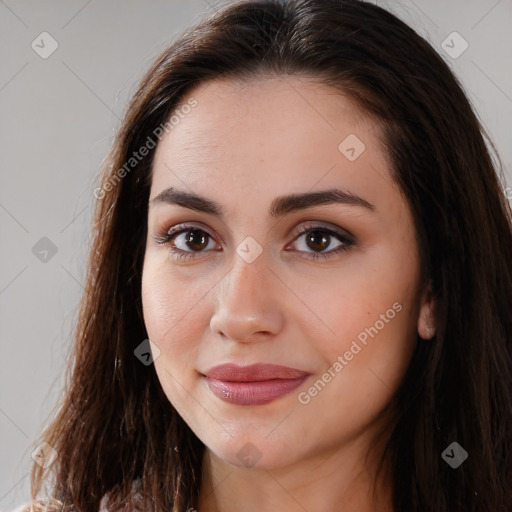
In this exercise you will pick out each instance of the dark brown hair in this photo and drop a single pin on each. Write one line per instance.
(114, 424)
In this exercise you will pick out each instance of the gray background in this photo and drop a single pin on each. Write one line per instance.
(58, 118)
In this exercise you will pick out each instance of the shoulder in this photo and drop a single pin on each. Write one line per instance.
(23, 508)
(39, 506)
(35, 506)
(136, 499)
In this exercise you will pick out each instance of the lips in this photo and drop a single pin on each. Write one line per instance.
(255, 384)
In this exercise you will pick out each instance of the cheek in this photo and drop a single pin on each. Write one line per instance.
(173, 315)
(365, 359)
(370, 311)
(169, 299)
(171, 318)
(355, 300)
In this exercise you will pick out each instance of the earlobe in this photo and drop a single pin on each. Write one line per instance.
(427, 318)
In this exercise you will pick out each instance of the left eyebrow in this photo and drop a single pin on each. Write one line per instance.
(280, 206)
(287, 204)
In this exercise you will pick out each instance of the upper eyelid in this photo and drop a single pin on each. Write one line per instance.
(312, 225)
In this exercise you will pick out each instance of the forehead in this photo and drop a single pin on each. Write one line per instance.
(297, 106)
(282, 133)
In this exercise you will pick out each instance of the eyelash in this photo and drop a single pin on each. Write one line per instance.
(168, 235)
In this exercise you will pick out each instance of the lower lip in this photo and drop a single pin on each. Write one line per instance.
(253, 393)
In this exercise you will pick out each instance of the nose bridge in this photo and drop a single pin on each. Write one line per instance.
(245, 302)
(247, 272)
(242, 286)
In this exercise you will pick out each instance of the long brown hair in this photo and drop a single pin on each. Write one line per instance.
(114, 424)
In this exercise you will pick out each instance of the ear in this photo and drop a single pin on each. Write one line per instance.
(426, 318)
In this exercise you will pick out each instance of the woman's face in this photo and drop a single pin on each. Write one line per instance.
(294, 247)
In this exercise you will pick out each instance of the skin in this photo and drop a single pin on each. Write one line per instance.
(244, 144)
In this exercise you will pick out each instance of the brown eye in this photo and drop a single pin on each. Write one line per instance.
(318, 240)
(186, 241)
(196, 239)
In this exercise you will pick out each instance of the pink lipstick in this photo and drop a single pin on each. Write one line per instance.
(255, 384)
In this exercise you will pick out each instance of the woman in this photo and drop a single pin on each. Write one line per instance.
(301, 213)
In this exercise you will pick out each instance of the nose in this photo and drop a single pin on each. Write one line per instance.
(247, 307)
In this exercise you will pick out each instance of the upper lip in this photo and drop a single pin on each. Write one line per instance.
(253, 373)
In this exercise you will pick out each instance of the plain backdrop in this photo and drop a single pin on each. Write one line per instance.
(58, 118)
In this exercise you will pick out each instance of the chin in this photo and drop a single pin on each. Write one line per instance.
(252, 452)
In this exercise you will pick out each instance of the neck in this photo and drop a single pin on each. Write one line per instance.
(335, 481)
